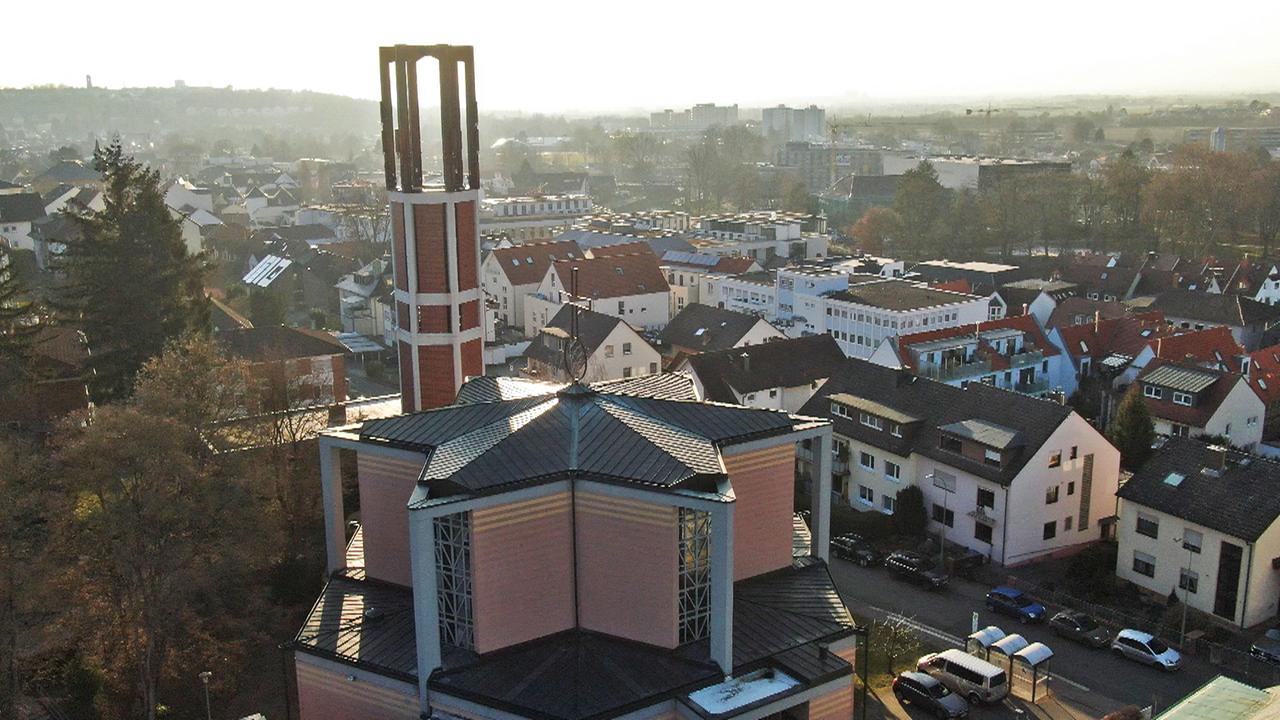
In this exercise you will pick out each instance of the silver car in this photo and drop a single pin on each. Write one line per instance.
(1145, 648)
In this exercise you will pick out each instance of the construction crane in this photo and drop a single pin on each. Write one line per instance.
(987, 112)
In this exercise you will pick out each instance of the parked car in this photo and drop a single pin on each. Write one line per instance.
(1080, 627)
(1145, 648)
(974, 678)
(853, 547)
(1013, 602)
(925, 692)
(916, 567)
(1267, 647)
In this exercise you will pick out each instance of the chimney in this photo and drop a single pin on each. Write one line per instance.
(1097, 320)
(1216, 462)
(1025, 308)
(435, 230)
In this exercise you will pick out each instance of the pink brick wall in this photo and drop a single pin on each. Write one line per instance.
(523, 571)
(763, 482)
(326, 695)
(835, 705)
(385, 487)
(627, 581)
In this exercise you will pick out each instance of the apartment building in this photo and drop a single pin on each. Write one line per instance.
(532, 218)
(1007, 475)
(606, 348)
(508, 274)
(1187, 400)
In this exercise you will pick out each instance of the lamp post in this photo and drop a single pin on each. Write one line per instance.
(1186, 593)
(204, 678)
(864, 633)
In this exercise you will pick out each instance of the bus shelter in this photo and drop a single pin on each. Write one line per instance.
(1002, 651)
(979, 644)
(1030, 675)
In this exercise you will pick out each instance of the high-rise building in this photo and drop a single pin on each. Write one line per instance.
(435, 231)
(794, 124)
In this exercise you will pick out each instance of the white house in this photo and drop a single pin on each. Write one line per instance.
(768, 375)
(1009, 476)
(1187, 400)
(612, 349)
(630, 287)
(702, 328)
(508, 274)
(1201, 521)
(689, 274)
(17, 212)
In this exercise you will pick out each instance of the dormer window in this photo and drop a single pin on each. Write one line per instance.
(871, 421)
(895, 429)
(1181, 398)
(1152, 391)
(991, 457)
(950, 444)
(839, 410)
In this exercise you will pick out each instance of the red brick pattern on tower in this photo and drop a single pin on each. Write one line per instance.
(468, 270)
(430, 234)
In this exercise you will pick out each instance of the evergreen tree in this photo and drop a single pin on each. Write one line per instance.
(922, 203)
(131, 286)
(1131, 431)
(909, 517)
(17, 318)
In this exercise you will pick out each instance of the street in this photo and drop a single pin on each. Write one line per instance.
(1091, 678)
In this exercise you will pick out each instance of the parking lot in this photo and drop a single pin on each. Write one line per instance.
(1087, 682)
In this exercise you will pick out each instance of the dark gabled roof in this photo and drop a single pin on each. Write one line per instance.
(898, 295)
(779, 619)
(1242, 500)
(266, 344)
(340, 627)
(707, 328)
(575, 431)
(938, 405)
(778, 364)
(614, 275)
(593, 327)
(6, 185)
(21, 207)
(1225, 309)
(303, 233)
(71, 171)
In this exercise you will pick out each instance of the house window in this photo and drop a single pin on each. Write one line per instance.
(1179, 430)
(626, 348)
(1071, 488)
(1188, 580)
(695, 574)
(896, 430)
(1144, 564)
(608, 351)
(1181, 398)
(866, 494)
(892, 470)
(1051, 495)
(950, 444)
(1050, 530)
(944, 515)
(453, 579)
(626, 373)
(991, 457)
(871, 421)
(889, 503)
(839, 410)
(1192, 540)
(653, 369)
(1066, 524)
(1075, 451)
(773, 393)
(1055, 460)
(1148, 525)
(1152, 391)
(982, 532)
(622, 307)
(986, 498)
(867, 460)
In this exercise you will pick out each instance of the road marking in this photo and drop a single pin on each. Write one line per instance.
(952, 639)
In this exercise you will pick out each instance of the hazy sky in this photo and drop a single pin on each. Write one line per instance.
(588, 56)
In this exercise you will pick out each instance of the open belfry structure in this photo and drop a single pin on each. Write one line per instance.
(559, 551)
(435, 228)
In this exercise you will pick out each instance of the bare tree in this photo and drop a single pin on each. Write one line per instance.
(896, 639)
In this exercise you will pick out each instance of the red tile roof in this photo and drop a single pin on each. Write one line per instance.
(1264, 373)
(1207, 400)
(733, 265)
(960, 286)
(638, 247)
(1125, 335)
(609, 277)
(1209, 346)
(1025, 323)
(527, 264)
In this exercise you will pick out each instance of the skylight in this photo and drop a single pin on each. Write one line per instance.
(1174, 479)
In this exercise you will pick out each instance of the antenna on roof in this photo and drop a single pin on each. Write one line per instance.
(575, 355)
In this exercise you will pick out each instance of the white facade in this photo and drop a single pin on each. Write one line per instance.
(651, 311)
(1238, 418)
(526, 219)
(859, 328)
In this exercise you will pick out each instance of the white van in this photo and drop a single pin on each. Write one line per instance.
(970, 677)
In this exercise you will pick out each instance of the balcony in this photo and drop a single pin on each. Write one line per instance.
(1034, 387)
(961, 371)
(1022, 359)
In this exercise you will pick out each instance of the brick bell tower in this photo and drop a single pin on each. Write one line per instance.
(435, 243)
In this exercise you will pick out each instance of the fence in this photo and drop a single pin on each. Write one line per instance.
(1234, 661)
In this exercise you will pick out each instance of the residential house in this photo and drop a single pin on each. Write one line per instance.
(302, 367)
(1212, 348)
(606, 348)
(1012, 353)
(67, 172)
(1187, 400)
(571, 552)
(1080, 311)
(1036, 297)
(1106, 347)
(509, 274)
(196, 224)
(692, 276)
(629, 287)
(359, 294)
(702, 328)
(1252, 323)
(1100, 277)
(1007, 475)
(1262, 369)
(1201, 520)
(983, 277)
(18, 211)
(767, 375)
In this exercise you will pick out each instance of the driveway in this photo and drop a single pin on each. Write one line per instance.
(1090, 679)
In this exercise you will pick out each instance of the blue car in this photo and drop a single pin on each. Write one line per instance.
(1013, 602)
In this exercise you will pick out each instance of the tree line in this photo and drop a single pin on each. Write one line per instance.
(1202, 203)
